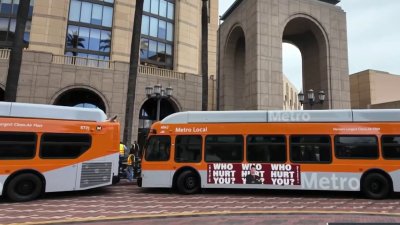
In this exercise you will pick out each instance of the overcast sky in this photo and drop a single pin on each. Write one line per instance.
(373, 34)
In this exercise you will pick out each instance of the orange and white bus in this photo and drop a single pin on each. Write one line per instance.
(46, 148)
(338, 150)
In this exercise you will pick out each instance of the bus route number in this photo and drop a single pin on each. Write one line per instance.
(87, 128)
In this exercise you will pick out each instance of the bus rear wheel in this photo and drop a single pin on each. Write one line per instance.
(24, 187)
(376, 186)
(188, 182)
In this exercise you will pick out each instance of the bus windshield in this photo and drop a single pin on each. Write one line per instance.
(158, 148)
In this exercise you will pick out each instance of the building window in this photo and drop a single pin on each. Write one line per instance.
(89, 29)
(157, 42)
(8, 16)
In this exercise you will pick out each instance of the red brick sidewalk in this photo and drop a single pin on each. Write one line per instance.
(268, 219)
(125, 203)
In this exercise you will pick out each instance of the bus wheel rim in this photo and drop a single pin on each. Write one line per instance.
(25, 187)
(190, 182)
(375, 187)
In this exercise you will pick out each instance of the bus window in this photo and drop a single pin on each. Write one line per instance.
(356, 147)
(224, 148)
(19, 145)
(158, 148)
(64, 146)
(265, 149)
(312, 149)
(188, 148)
(391, 147)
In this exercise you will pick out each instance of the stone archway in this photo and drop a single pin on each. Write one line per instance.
(309, 37)
(234, 78)
(80, 97)
(148, 115)
(317, 28)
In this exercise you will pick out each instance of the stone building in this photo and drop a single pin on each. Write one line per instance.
(290, 95)
(78, 54)
(374, 89)
(251, 38)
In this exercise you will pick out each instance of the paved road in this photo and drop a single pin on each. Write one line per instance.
(126, 202)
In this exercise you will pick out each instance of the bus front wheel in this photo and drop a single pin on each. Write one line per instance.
(376, 186)
(24, 187)
(188, 182)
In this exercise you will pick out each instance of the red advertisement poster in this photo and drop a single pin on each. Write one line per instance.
(249, 173)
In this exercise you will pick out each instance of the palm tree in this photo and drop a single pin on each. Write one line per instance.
(204, 54)
(15, 61)
(105, 43)
(74, 41)
(133, 71)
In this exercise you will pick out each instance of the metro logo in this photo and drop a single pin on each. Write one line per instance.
(289, 116)
(331, 181)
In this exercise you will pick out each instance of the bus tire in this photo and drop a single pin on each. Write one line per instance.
(376, 186)
(24, 187)
(188, 183)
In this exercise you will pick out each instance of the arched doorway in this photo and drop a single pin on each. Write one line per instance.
(80, 97)
(148, 115)
(2, 94)
(235, 88)
(309, 37)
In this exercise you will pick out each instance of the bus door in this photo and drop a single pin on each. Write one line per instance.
(157, 155)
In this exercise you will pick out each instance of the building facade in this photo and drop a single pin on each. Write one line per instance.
(290, 95)
(78, 55)
(251, 38)
(374, 89)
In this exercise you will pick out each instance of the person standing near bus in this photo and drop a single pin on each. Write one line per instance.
(136, 151)
(122, 151)
(136, 148)
(129, 165)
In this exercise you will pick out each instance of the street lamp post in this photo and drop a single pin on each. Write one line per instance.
(158, 93)
(311, 98)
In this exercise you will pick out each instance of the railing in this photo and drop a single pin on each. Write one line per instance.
(5, 53)
(103, 64)
(148, 70)
(78, 61)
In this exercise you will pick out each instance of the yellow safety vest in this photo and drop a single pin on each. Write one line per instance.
(130, 161)
(121, 149)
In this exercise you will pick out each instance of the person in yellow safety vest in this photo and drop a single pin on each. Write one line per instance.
(130, 163)
(122, 149)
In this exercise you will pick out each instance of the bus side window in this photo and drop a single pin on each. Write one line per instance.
(391, 147)
(224, 148)
(64, 146)
(188, 148)
(356, 147)
(158, 148)
(310, 149)
(266, 148)
(17, 145)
